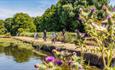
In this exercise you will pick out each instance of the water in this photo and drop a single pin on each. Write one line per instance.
(14, 58)
(17, 59)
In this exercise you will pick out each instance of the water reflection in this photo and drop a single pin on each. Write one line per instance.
(15, 58)
(19, 55)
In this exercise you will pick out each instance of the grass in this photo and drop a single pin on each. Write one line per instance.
(4, 42)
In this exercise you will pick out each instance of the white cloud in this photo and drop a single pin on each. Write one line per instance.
(5, 13)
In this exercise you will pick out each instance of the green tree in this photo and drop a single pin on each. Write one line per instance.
(8, 24)
(65, 15)
(22, 22)
(47, 21)
(2, 27)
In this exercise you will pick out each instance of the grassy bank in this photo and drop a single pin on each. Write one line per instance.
(9, 42)
(4, 42)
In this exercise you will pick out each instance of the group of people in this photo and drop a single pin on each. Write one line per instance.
(53, 36)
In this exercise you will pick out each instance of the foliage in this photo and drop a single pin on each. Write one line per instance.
(21, 22)
(2, 28)
(64, 15)
(8, 24)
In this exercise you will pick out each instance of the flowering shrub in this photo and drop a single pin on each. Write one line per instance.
(103, 35)
(61, 59)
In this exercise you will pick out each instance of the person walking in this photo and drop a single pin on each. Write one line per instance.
(44, 35)
(63, 35)
(54, 37)
(35, 35)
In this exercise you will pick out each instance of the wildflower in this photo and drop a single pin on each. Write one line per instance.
(36, 65)
(74, 53)
(49, 58)
(58, 62)
(108, 17)
(93, 10)
(113, 9)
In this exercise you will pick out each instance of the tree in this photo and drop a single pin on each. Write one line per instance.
(65, 15)
(22, 22)
(2, 28)
(8, 24)
(37, 22)
(47, 21)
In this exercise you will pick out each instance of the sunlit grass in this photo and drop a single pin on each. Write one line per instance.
(4, 42)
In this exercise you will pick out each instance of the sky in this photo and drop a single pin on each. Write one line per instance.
(32, 7)
(112, 2)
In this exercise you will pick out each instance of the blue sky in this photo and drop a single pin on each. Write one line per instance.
(33, 7)
(112, 2)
